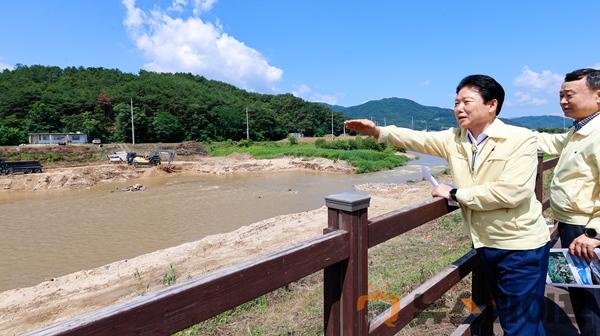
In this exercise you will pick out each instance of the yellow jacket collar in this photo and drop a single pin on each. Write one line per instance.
(593, 125)
(497, 129)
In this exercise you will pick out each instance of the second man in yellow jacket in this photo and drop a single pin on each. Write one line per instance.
(575, 191)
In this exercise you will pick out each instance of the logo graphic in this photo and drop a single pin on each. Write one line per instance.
(394, 300)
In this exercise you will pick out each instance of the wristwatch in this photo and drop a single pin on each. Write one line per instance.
(453, 194)
(592, 233)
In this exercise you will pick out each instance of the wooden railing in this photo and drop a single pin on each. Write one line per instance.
(341, 252)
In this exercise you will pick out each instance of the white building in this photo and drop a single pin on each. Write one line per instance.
(57, 138)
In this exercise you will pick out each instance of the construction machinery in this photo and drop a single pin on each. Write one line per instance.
(25, 167)
(154, 158)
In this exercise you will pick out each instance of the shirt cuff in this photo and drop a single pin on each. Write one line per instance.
(464, 195)
(594, 224)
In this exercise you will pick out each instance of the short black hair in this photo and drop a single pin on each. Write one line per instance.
(592, 77)
(488, 88)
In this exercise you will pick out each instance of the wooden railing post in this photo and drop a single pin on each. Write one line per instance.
(345, 282)
(539, 178)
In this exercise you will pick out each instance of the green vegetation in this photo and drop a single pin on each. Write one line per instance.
(167, 107)
(170, 277)
(292, 140)
(553, 130)
(357, 143)
(364, 160)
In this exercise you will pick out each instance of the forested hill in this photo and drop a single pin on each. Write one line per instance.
(401, 112)
(167, 107)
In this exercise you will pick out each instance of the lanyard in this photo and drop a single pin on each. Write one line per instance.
(473, 156)
(475, 151)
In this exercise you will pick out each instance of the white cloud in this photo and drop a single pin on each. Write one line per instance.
(201, 6)
(135, 16)
(535, 88)
(425, 82)
(178, 6)
(539, 81)
(305, 92)
(4, 66)
(526, 99)
(198, 6)
(178, 44)
(596, 66)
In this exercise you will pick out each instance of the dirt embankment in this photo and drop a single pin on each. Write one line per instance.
(70, 295)
(88, 176)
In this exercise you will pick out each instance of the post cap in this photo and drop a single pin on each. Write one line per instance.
(348, 201)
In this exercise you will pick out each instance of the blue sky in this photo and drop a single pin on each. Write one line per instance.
(340, 52)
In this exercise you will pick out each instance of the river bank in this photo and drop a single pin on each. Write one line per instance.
(68, 178)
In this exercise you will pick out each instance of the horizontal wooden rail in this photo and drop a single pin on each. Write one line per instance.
(395, 223)
(180, 306)
(422, 297)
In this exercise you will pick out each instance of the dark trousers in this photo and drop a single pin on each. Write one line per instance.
(585, 302)
(517, 281)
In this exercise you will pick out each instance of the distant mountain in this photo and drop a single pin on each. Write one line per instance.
(546, 121)
(400, 112)
(407, 113)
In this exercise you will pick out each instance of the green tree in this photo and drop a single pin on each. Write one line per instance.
(167, 128)
(86, 122)
(42, 118)
(11, 136)
(96, 101)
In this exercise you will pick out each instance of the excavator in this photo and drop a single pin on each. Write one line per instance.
(154, 158)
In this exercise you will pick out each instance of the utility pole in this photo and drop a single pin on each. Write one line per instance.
(384, 122)
(132, 129)
(247, 126)
(332, 123)
(412, 123)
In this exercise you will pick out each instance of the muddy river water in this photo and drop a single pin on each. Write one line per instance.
(48, 234)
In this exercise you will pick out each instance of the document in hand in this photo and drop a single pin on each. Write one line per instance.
(427, 176)
(567, 270)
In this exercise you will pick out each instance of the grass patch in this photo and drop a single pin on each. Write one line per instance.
(364, 160)
(170, 277)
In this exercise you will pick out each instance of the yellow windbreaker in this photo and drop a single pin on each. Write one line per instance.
(574, 191)
(497, 197)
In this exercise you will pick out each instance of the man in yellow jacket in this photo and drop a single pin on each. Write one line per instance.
(574, 191)
(494, 168)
